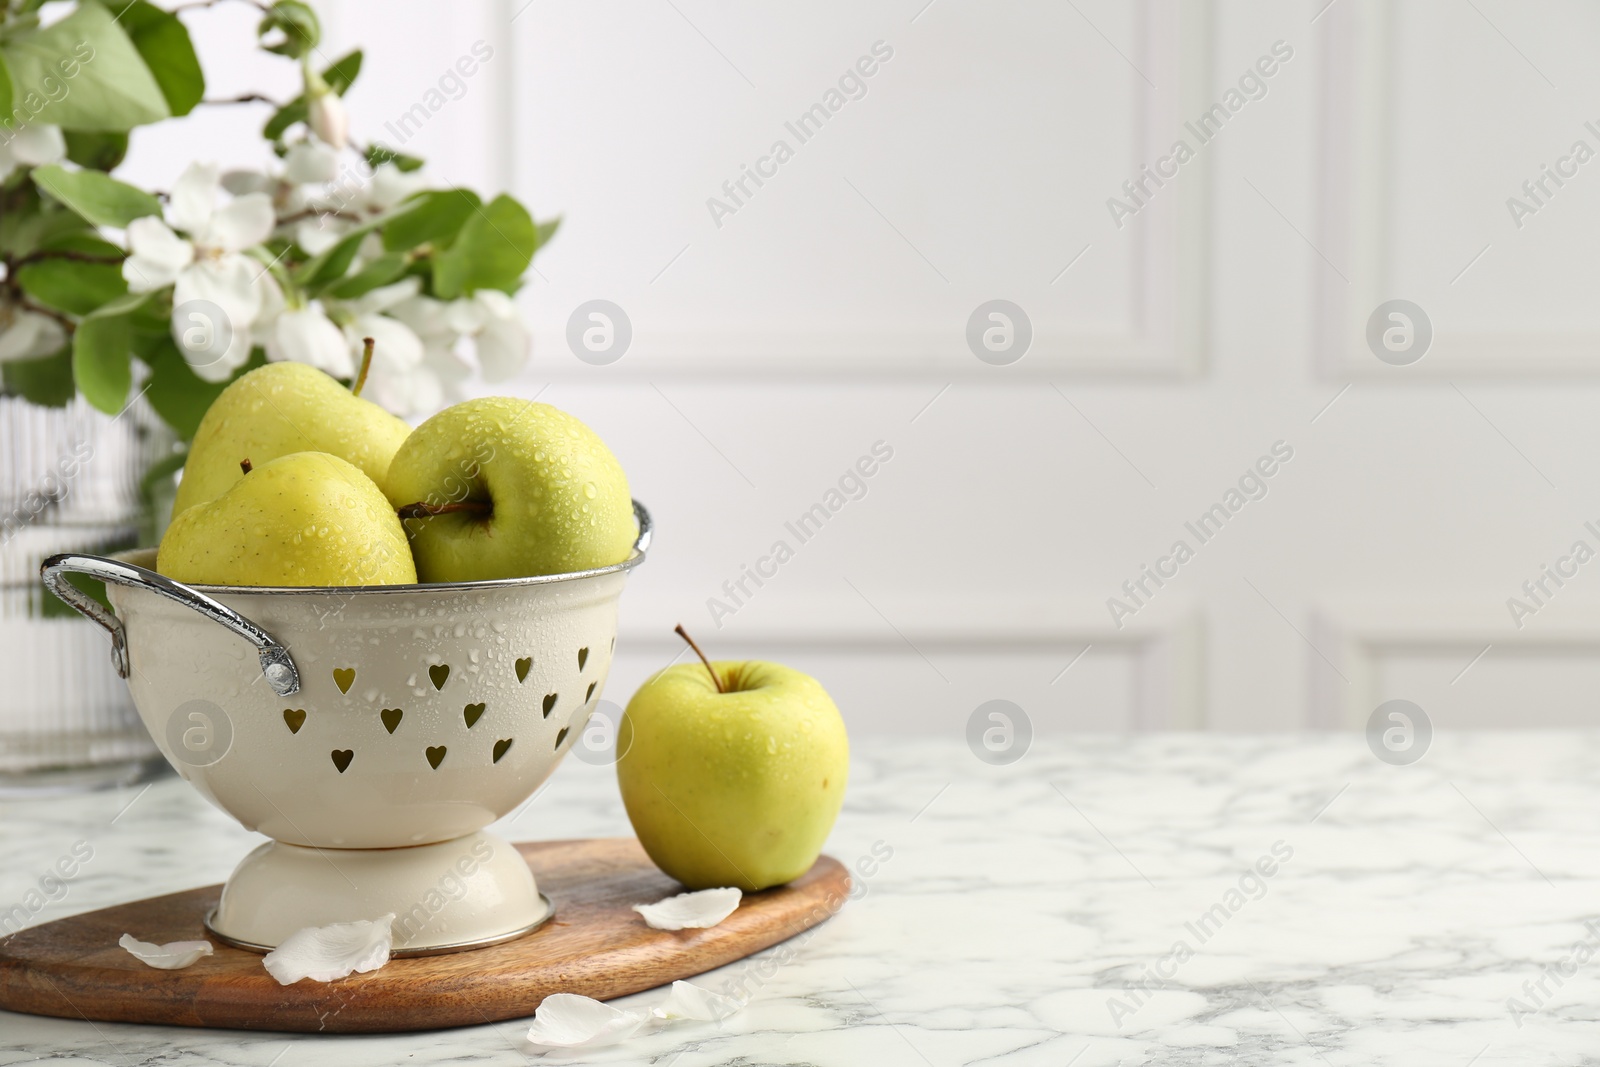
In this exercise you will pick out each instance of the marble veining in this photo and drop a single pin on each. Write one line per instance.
(1181, 899)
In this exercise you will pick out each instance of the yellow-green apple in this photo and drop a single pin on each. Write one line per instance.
(283, 408)
(507, 488)
(732, 773)
(305, 519)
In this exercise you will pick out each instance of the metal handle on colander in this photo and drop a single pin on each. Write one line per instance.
(641, 544)
(276, 663)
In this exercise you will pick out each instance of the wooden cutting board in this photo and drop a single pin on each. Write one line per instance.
(596, 945)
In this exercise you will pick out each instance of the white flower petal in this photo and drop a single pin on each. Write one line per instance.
(193, 197)
(390, 185)
(212, 353)
(38, 145)
(310, 163)
(214, 303)
(417, 392)
(30, 335)
(271, 298)
(566, 1020)
(172, 956)
(323, 953)
(329, 120)
(465, 316)
(689, 1001)
(158, 255)
(228, 281)
(691, 911)
(427, 317)
(319, 234)
(397, 348)
(385, 297)
(305, 335)
(495, 304)
(291, 199)
(395, 384)
(244, 223)
(503, 348)
(240, 182)
(439, 355)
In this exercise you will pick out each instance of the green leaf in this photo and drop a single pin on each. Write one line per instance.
(163, 468)
(102, 357)
(127, 304)
(82, 73)
(377, 155)
(298, 24)
(102, 361)
(46, 381)
(546, 230)
(435, 215)
(97, 151)
(31, 219)
(164, 43)
(70, 285)
(97, 197)
(331, 265)
(339, 76)
(83, 240)
(380, 271)
(492, 251)
(178, 395)
(7, 91)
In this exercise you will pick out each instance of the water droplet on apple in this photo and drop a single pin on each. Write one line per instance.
(590, 491)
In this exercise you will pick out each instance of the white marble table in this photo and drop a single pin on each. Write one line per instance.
(1024, 908)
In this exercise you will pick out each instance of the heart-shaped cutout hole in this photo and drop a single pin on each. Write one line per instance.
(561, 736)
(583, 657)
(590, 694)
(439, 672)
(549, 704)
(501, 747)
(344, 678)
(391, 718)
(472, 713)
(294, 718)
(342, 758)
(436, 756)
(524, 665)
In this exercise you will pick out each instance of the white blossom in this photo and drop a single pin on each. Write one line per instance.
(205, 266)
(306, 335)
(328, 118)
(28, 334)
(32, 146)
(399, 379)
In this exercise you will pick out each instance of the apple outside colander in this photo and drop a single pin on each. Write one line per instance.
(371, 731)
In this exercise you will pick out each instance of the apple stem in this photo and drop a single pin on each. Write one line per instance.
(681, 632)
(246, 466)
(367, 345)
(424, 510)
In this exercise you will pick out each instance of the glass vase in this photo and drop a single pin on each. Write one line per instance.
(70, 481)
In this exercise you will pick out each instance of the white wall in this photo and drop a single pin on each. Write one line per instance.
(829, 311)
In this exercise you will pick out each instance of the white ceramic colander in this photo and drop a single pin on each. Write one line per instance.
(372, 732)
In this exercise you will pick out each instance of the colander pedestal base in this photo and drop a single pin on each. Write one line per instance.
(471, 891)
